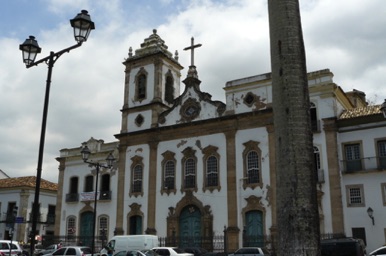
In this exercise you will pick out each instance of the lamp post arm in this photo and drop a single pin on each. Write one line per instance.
(96, 164)
(54, 56)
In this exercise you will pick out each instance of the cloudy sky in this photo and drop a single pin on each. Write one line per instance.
(346, 36)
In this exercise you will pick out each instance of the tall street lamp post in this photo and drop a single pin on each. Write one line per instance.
(109, 163)
(82, 25)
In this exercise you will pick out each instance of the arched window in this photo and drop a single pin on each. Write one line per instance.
(141, 87)
(252, 167)
(169, 88)
(103, 226)
(212, 171)
(316, 158)
(318, 170)
(189, 170)
(190, 173)
(314, 118)
(168, 173)
(170, 170)
(71, 226)
(137, 179)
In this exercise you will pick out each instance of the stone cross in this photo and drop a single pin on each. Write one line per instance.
(191, 47)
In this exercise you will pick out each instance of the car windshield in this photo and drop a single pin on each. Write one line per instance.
(149, 253)
(86, 250)
(14, 247)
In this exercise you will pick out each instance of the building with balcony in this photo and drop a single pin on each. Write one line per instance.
(362, 153)
(20, 192)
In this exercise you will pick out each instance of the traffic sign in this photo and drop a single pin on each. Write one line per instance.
(19, 220)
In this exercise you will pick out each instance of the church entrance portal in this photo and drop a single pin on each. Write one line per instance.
(253, 230)
(190, 223)
(190, 227)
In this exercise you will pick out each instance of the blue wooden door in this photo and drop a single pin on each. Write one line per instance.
(254, 234)
(135, 225)
(190, 227)
(86, 227)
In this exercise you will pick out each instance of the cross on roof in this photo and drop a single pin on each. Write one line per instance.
(191, 47)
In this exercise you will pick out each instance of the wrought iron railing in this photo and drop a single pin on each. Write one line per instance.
(364, 164)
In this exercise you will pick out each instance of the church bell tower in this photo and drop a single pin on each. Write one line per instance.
(152, 82)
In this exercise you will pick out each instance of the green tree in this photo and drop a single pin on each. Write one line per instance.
(297, 210)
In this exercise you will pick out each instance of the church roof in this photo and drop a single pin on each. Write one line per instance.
(27, 181)
(154, 44)
(361, 112)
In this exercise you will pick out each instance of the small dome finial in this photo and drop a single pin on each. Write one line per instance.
(154, 31)
(130, 52)
(176, 55)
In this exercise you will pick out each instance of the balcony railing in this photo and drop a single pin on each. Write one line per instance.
(90, 196)
(364, 164)
(8, 218)
(105, 195)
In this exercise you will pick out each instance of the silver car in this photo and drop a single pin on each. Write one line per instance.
(72, 250)
(5, 246)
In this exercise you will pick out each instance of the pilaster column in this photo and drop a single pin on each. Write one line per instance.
(334, 175)
(151, 209)
(121, 190)
(232, 230)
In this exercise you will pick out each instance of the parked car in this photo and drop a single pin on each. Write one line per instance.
(48, 250)
(72, 250)
(171, 251)
(251, 251)
(25, 249)
(142, 253)
(342, 247)
(381, 251)
(6, 245)
(130, 243)
(197, 251)
(38, 249)
(137, 253)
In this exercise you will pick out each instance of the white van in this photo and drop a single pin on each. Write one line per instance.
(130, 242)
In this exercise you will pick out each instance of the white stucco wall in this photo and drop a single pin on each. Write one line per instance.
(357, 217)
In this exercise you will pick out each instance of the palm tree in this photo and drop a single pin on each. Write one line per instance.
(297, 211)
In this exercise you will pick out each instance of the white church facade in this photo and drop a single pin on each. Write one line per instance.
(190, 166)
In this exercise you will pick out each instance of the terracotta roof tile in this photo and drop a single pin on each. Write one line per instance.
(28, 181)
(359, 112)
